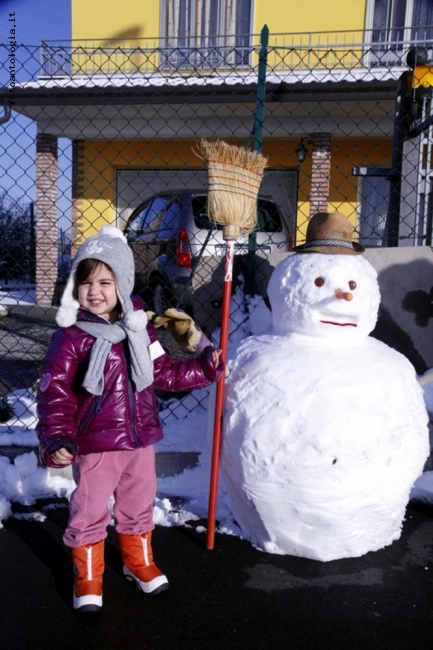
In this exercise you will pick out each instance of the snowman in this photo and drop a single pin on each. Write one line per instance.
(325, 428)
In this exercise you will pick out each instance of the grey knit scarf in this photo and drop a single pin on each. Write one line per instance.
(106, 335)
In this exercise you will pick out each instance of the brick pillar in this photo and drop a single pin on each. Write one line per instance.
(46, 218)
(320, 172)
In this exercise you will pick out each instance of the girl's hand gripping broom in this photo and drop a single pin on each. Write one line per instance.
(234, 177)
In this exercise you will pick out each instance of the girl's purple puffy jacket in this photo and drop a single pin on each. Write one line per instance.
(121, 418)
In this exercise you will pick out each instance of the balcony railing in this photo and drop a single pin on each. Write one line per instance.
(286, 52)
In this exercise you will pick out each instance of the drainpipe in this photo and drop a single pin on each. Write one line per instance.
(7, 115)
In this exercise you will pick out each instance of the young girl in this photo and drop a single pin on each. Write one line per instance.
(97, 410)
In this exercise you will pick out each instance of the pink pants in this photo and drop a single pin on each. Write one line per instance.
(128, 475)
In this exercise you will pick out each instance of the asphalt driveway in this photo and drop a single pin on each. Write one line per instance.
(233, 597)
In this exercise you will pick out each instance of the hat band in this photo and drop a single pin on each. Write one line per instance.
(329, 242)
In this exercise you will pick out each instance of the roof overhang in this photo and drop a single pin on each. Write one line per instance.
(184, 107)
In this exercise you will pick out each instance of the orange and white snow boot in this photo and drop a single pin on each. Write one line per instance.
(138, 564)
(88, 569)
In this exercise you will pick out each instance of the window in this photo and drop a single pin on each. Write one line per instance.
(389, 21)
(206, 33)
(268, 217)
(397, 22)
(171, 220)
(374, 205)
(148, 218)
(422, 20)
(199, 210)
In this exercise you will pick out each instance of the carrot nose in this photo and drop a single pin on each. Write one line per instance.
(343, 295)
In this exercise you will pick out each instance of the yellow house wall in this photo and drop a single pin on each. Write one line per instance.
(289, 16)
(101, 160)
(115, 20)
(141, 19)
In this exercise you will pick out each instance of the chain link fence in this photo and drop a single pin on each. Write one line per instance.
(95, 133)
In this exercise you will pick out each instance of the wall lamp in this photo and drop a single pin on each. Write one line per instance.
(301, 150)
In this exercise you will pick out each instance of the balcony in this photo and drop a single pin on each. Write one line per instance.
(299, 52)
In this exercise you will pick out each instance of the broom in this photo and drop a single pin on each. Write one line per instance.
(234, 177)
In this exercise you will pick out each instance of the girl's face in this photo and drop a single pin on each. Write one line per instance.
(97, 294)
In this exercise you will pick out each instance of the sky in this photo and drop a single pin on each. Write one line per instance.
(35, 20)
(23, 481)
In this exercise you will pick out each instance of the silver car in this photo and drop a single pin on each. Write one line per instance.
(171, 232)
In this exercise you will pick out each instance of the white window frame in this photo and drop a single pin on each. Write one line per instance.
(201, 44)
(407, 19)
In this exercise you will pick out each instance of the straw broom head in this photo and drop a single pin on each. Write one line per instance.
(234, 177)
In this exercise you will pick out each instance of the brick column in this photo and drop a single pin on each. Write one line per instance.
(46, 218)
(320, 172)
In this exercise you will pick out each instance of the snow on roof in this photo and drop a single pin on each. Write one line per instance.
(215, 78)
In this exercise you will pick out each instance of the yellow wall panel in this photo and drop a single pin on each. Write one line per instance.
(290, 16)
(115, 20)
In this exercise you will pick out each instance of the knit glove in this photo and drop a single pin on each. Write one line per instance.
(182, 328)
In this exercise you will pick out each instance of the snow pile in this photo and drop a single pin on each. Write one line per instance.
(22, 481)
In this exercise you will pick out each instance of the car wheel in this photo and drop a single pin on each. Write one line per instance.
(160, 300)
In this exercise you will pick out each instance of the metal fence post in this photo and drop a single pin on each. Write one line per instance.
(257, 137)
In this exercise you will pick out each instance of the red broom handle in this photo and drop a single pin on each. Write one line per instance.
(219, 401)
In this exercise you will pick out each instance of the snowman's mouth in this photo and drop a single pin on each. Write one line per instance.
(331, 322)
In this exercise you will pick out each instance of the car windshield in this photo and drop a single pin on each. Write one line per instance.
(149, 217)
(161, 216)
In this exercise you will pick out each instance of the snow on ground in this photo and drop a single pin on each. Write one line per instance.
(182, 497)
(19, 295)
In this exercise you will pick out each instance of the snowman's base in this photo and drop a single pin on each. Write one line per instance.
(323, 528)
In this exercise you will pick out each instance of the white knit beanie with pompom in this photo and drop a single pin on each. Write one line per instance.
(110, 247)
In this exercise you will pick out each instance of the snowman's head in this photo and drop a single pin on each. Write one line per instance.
(324, 295)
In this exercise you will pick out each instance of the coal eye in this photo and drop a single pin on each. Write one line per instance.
(352, 285)
(319, 282)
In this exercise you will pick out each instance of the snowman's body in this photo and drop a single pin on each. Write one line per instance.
(325, 428)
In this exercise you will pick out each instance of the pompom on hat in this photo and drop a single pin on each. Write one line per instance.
(110, 247)
(330, 233)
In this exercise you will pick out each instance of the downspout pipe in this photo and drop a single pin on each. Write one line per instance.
(7, 115)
